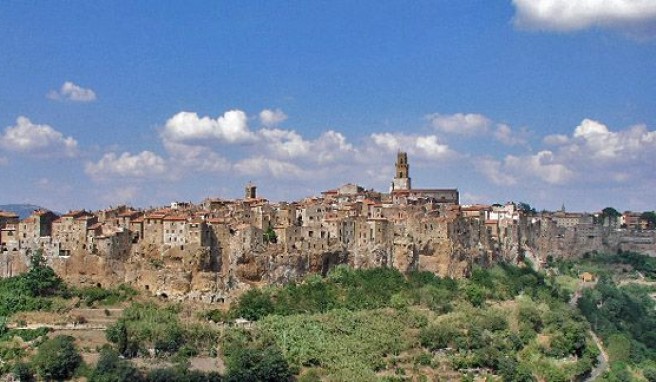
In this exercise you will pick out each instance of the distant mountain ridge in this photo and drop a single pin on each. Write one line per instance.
(22, 210)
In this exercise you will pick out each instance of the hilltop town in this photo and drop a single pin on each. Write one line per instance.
(206, 251)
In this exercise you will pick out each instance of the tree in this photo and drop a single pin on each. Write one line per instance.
(609, 213)
(525, 207)
(253, 305)
(650, 217)
(57, 358)
(111, 368)
(41, 280)
(270, 236)
(258, 365)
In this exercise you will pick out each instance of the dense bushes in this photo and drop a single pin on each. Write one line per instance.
(111, 368)
(57, 358)
(623, 317)
(146, 326)
(257, 365)
(29, 291)
(346, 288)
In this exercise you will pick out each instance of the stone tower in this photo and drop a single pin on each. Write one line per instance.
(250, 192)
(402, 178)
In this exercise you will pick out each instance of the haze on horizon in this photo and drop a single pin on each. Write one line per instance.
(540, 101)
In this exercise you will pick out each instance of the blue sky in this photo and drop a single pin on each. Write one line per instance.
(543, 101)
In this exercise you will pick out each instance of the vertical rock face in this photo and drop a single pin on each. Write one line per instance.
(239, 258)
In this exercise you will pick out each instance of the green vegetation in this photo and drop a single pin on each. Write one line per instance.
(503, 323)
(145, 326)
(31, 290)
(57, 359)
(619, 264)
(270, 236)
(97, 296)
(380, 324)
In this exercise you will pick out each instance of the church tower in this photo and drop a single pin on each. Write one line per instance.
(402, 178)
(250, 191)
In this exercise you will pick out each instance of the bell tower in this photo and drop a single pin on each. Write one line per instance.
(402, 178)
(250, 191)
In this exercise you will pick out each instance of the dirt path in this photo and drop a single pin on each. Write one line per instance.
(602, 359)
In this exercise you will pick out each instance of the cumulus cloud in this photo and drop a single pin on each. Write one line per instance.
(594, 140)
(427, 146)
(42, 140)
(142, 165)
(542, 165)
(186, 158)
(72, 92)
(555, 139)
(593, 153)
(568, 15)
(332, 146)
(272, 118)
(261, 165)
(231, 127)
(493, 171)
(459, 123)
(286, 143)
(505, 134)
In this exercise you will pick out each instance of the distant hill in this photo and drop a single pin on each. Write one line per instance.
(23, 210)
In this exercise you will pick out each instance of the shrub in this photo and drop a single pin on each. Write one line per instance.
(437, 336)
(253, 305)
(255, 365)
(111, 368)
(23, 372)
(57, 358)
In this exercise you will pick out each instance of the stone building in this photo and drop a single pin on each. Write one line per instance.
(403, 193)
(70, 231)
(8, 222)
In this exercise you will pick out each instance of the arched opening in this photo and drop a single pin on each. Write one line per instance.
(147, 287)
(164, 295)
(99, 285)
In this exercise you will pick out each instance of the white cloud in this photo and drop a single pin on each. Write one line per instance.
(594, 140)
(288, 144)
(542, 165)
(272, 118)
(427, 147)
(260, 165)
(41, 140)
(194, 158)
(555, 140)
(508, 172)
(505, 134)
(144, 164)
(464, 124)
(493, 171)
(571, 15)
(332, 146)
(231, 127)
(72, 92)
(285, 143)
(431, 148)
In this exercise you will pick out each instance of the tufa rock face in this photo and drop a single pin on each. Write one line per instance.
(447, 247)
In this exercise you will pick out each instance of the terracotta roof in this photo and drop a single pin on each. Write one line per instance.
(7, 214)
(94, 226)
(128, 214)
(175, 218)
